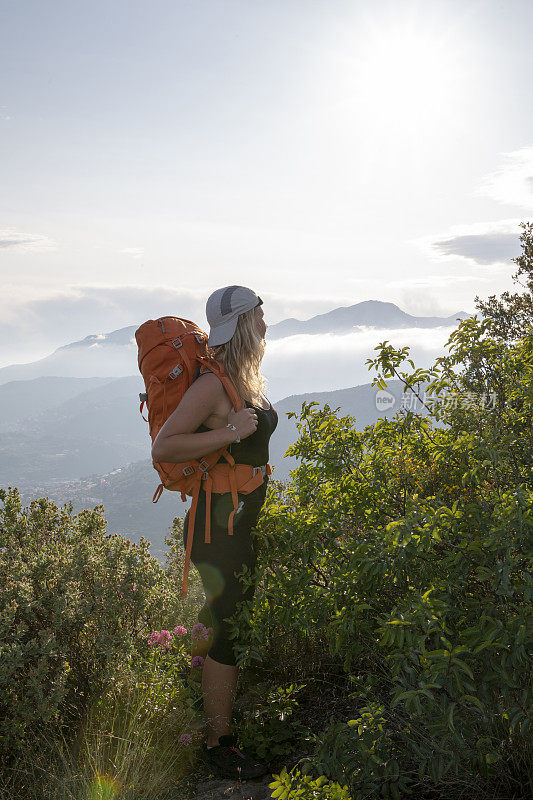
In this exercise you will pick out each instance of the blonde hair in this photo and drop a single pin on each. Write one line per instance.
(241, 358)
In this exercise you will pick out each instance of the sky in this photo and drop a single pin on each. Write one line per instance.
(322, 152)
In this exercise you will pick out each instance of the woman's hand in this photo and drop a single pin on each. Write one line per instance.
(244, 420)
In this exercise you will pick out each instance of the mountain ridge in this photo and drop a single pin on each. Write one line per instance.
(83, 358)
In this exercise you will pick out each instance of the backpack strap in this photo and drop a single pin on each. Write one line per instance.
(233, 486)
(211, 365)
(190, 534)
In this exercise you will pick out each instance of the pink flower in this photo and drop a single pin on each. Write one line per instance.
(197, 661)
(179, 630)
(160, 637)
(185, 738)
(199, 631)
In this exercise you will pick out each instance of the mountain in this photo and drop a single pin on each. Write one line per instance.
(372, 313)
(115, 354)
(104, 354)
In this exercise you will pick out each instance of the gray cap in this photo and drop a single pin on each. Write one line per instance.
(223, 309)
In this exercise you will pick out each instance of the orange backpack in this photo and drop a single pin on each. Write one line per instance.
(172, 353)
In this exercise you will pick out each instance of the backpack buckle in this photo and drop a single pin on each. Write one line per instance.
(177, 346)
(188, 470)
(175, 372)
(203, 466)
(259, 469)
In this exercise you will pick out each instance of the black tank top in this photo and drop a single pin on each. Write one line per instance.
(254, 449)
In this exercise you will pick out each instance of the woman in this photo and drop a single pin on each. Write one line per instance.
(203, 422)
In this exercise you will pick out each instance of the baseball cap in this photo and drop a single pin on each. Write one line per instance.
(223, 309)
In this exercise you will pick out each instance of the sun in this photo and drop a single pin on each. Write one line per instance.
(404, 76)
(407, 75)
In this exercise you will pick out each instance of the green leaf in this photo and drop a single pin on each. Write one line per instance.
(450, 716)
(463, 666)
(469, 698)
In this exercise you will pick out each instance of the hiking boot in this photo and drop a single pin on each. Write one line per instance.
(228, 761)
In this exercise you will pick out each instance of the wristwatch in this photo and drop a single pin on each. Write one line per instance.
(229, 425)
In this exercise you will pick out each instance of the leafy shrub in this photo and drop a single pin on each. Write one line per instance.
(409, 544)
(267, 729)
(74, 604)
(291, 785)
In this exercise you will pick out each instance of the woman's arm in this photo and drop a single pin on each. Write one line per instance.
(176, 441)
(186, 446)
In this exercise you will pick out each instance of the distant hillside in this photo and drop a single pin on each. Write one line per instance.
(357, 401)
(24, 399)
(100, 430)
(93, 432)
(126, 491)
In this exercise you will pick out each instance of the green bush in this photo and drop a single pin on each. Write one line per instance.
(266, 727)
(409, 544)
(74, 604)
(292, 785)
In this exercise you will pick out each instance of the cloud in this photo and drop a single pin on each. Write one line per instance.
(481, 243)
(25, 242)
(290, 364)
(489, 248)
(422, 296)
(61, 317)
(490, 243)
(429, 282)
(512, 183)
